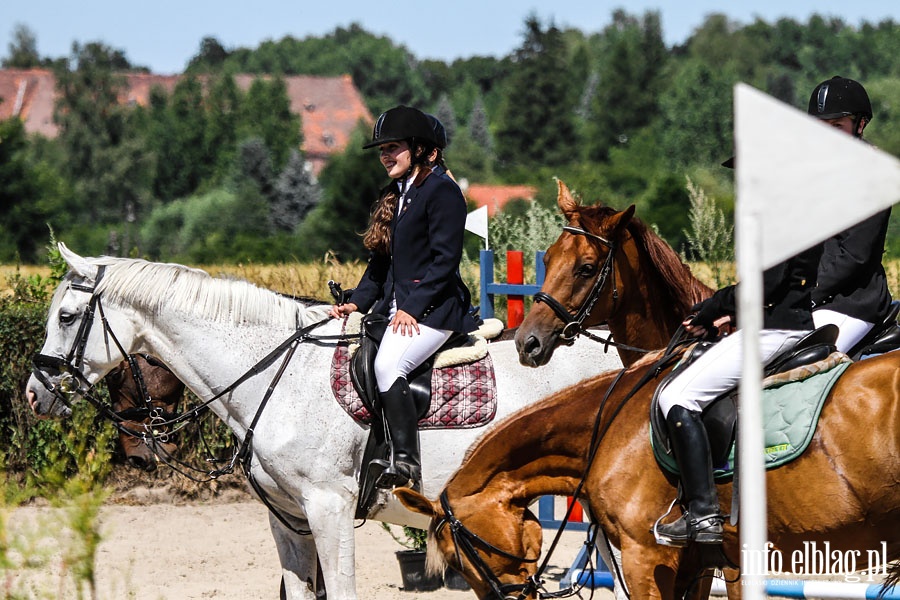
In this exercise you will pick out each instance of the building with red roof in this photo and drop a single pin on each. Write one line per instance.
(330, 108)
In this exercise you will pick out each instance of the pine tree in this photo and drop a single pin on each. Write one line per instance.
(295, 194)
(536, 121)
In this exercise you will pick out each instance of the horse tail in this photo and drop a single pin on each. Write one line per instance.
(892, 579)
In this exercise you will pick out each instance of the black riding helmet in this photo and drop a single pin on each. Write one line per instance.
(440, 134)
(840, 97)
(402, 123)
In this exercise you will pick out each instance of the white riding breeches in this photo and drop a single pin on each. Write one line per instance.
(398, 355)
(719, 369)
(851, 329)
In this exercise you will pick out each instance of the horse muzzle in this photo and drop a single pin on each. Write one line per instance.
(45, 403)
(535, 350)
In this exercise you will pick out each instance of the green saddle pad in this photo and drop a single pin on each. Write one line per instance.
(790, 413)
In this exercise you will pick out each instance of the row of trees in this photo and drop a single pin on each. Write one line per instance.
(209, 173)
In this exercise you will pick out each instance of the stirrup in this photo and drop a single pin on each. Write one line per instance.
(667, 541)
(711, 532)
(396, 475)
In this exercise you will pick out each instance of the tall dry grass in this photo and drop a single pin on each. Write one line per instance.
(311, 279)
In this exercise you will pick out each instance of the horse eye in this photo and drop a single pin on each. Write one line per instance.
(66, 318)
(587, 270)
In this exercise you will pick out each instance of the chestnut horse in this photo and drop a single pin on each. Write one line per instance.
(607, 266)
(842, 490)
(130, 390)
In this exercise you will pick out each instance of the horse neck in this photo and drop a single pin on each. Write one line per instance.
(541, 450)
(206, 358)
(649, 309)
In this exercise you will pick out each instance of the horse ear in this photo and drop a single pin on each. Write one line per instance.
(621, 220)
(566, 202)
(77, 264)
(416, 502)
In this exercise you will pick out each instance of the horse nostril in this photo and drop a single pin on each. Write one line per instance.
(532, 345)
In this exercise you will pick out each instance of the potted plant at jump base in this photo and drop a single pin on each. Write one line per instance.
(412, 560)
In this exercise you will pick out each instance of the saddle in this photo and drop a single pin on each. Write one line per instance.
(720, 416)
(362, 371)
(884, 337)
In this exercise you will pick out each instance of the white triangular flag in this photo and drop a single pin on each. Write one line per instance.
(804, 181)
(477, 223)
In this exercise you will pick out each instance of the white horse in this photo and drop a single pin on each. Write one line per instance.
(307, 451)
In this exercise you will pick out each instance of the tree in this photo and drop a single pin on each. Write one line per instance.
(178, 139)
(295, 194)
(223, 114)
(108, 164)
(24, 195)
(350, 184)
(255, 167)
(444, 113)
(210, 58)
(23, 52)
(536, 120)
(696, 125)
(629, 82)
(266, 113)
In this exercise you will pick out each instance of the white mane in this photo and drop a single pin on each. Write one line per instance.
(154, 287)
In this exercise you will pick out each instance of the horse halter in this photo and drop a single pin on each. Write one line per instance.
(573, 325)
(465, 542)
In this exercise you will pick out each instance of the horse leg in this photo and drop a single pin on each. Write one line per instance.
(650, 571)
(330, 513)
(299, 563)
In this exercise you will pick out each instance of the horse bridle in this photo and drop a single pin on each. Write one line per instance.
(465, 541)
(72, 380)
(71, 369)
(573, 324)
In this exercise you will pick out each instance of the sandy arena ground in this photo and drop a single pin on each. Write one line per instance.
(222, 550)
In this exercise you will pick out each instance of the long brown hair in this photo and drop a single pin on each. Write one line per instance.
(377, 237)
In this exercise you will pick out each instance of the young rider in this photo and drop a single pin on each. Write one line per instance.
(852, 289)
(415, 237)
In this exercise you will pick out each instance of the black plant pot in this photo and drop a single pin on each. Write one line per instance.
(453, 580)
(412, 569)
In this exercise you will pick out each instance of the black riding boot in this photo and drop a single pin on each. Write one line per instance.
(402, 420)
(701, 522)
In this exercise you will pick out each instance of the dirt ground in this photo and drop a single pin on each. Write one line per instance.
(219, 549)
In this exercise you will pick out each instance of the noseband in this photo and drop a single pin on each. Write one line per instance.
(72, 380)
(573, 325)
(465, 542)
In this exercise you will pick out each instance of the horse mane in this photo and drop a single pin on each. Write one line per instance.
(676, 275)
(154, 287)
(534, 407)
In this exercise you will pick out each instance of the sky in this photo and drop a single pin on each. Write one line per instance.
(164, 34)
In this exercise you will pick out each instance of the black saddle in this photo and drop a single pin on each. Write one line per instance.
(362, 369)
(362, 373)
(884, 337)
(720, 416)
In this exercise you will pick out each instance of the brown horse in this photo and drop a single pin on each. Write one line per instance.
(607, 266)
(164, 391)
(842, 490)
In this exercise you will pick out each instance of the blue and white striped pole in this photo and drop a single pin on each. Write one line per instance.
(777, 588)
(826, 590)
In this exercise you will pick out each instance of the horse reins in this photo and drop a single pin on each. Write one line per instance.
(70, 368)
(573, 324)
(465, 540)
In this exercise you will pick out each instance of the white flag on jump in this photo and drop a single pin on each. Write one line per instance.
(477, 223)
